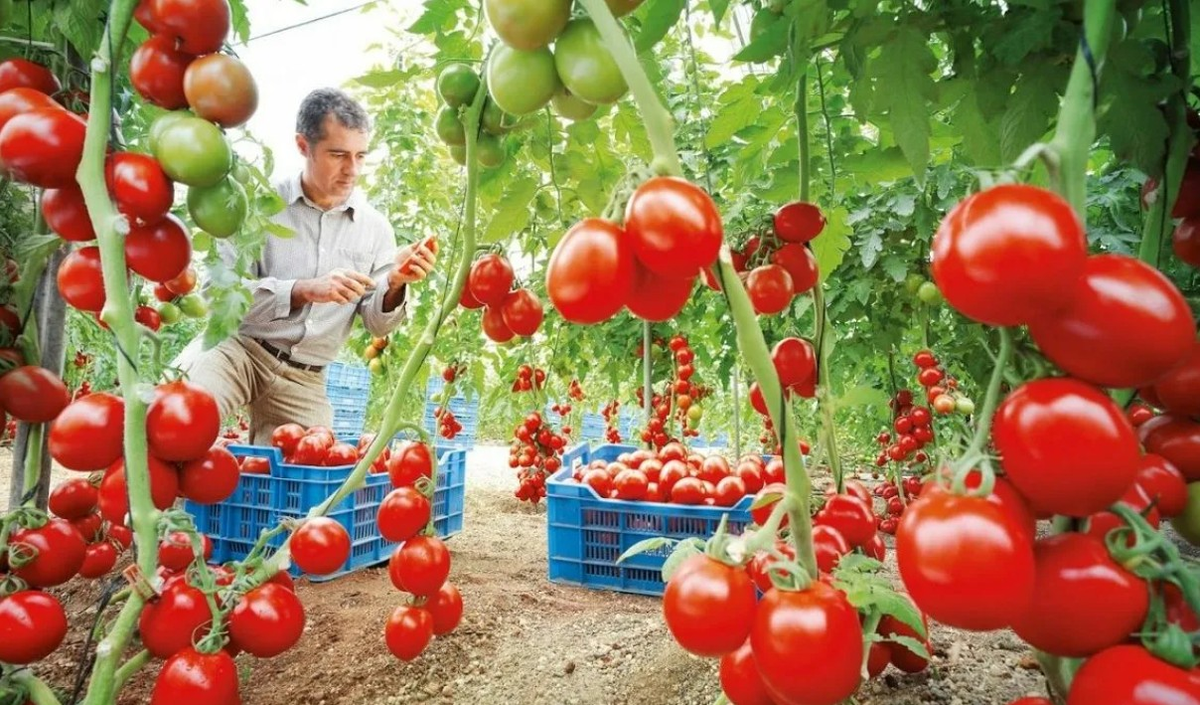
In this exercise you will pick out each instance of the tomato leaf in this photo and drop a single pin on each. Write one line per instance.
(239, 19)
(1034, 32)
(830, 248)
(1129, 91)
(660, 17)
(718, 8)
(862, 395)
(438, 15)
(980, 134)
(77, 22)
(650, 545)
(685, 550)
(380, 79)
(513, 214)
(739, 108)
(917, 647)
(771, 43)
(904, 68)
(768, 498)
(279, 230)
(1033, 104)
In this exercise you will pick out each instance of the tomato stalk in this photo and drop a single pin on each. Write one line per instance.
(647, 377)
(34, 443)
(39, 692)
(824, 342)
(136, 663)
(974, 452)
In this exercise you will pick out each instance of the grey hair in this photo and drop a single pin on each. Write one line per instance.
(310, 121)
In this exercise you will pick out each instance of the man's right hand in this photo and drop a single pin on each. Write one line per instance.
(340, 286)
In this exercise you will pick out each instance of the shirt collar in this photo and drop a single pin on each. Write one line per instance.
(295, 192)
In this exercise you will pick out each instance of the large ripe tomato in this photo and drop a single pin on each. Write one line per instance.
(189, 676)
(591, 272)
(522, 312)
(43, 147)
(81, 279)
(798, 222)
(22, 73)
(490, 278)
(795, 361)
(674, 227)
(114, 493)
(60, 552)
(800, 263)
(656, 297)
(1130, 675)
(409, 462)
(446, 608)
(965, 561)
(1177, 439)
(740, 679)
(851, 516)
(527, 24)
(341, 455)
(770, 289)
(408, 631)
(521, 82)
(200, 25)
(156, 71)
(182, 422)
(16, 101)
(90, 524)
(267, 621)
(1185, 240)
(808, 645)
(494, 326)
(220, 88)
(1009, 254)
(33, 394)
(139, 186)
(1163, 483)
(402, 514)
(320, 546)
(1051, 433)
(159, 252)
(829, 546)
(218, 210)
(194, 151)
(175, 551)
(32, 625)
(286, 437)
(89, 433)
(98, 560)
(211, 478)
(420, 566)
(1187, 200)
(1126, 325)
(1179, 389)
(72, 499)
(709, 606)
(144, 14)
(585, 65)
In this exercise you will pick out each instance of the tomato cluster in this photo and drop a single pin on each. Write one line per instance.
(895, 501)
(779, 265)
(507, 312)
(611, 414)
(676, 475)
(373, 354)
(318, 446)
(529, 378)
(795, 362)
(448, 424)
(536, 453)
(678, 400)
(457, 85)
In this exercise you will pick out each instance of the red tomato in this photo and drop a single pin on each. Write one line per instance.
(21, 73)
(66, 213)
(774, 471)
(446, 608)
(16, 101)
(121, 535)
(43, 147)
(1163, 483)
(709, 606)
(267, 621)
(901, 656)
(60, 552)
(341, 455)
(73, 499)
(1177, 439)
(98, 560)
(169, 624)
(599, 480)
(1076, 580)
(466, 300)
(1130, 674)
(965, 561)
(729, 491)
(1129, 310)
(1007, 255)
(211, 478)
(287, 437)
(674, 227)
(139, 186)
(89, 433)
(1185, 240)
(33, 624)
(800, 264)
(740, 680)
(81, 280)
(175, 551)
(591, 273)
(255, 466)
(799, 222)
(159, 252)
(33, 394)
(795, 361)
(182, 284)
(522, 312)
(114, 494)
(192, 677)
(490, 279)
(829, 546)
(1179, 389)
(408, 631)
(409, 462)
(851, 516)
(183, 421)
(1051, 432)
(656, 297)
(808, 645)
(200, 25)
(403, 513)
(144, 14)
(420, 566)
(689, 490)
(148, 317)
(494, 326)
(320, 546)
(751, 475)
(770, 289)
(89, 525)
(713, 468)
(631, 484)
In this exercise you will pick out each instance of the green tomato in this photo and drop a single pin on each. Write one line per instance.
(585, 65)
(193, 306)
(928, 293)
(964, 405)
(161, 123)
(202, 241)
(1188, 523)
(913, 282)
(194, 151)
(219, 209)
(694, 413)
(459, 154)
(489, 150)
(521, 82)
(170, 313)
(494, 120)
(571, 107)
(241, 173)
(449, 128)
(457, 85)
(375, 366)
(527, 24)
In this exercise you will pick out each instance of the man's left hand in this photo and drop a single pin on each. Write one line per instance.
(413, 263)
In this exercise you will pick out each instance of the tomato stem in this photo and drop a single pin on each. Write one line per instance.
(130, 667)
(39, 692)
(990, 401)
(647, 378)
(34, 444)
(824, 341)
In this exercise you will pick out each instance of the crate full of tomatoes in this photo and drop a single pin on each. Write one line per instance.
(608, 498)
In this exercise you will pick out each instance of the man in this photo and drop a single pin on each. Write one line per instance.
(342, 262)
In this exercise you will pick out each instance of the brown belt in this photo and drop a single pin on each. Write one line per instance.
(285, 358)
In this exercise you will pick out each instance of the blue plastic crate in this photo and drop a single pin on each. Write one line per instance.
(587, 534)
(259, 501)
(340, 375)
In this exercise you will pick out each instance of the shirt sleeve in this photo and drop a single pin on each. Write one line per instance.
(370, 307)
(271, 297)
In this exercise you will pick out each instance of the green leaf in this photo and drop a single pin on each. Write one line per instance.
(685, 550)
(740, 106)
(771, 43)
(513, 214)
(870, 248)
(240, 19)
(279, 230)
(79, 24)
(830, 248)
(718, 8)
(1033, 33)
(878, 165)
(1033, 104)
(660, 17)
(436, 16)
(980, 137)
(895, 266)
(1129, 112)
(380, 79)
(629, 129)
(917, 647)
(904, 66)
(650, 545)
(862, 395)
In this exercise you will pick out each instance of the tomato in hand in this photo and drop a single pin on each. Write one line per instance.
(709, 606)
(591, 272)
(674, 227)
(320, 546)
(32, 625)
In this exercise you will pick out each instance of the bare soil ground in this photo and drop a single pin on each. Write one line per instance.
(524, 639)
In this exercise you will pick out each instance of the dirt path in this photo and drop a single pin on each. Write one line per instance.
(526, 640)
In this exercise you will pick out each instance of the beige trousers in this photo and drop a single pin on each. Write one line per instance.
(239, 373)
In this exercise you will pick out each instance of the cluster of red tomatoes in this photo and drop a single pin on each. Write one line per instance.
(672, 232)
(770, 441)
(679, 398)
(796, 364)
(1186, 238)
(536, 453)
(529, 378)
(314, 446)
(779, 266)
(675, 475)
(611, 414)
(895, 503)
(507, 312)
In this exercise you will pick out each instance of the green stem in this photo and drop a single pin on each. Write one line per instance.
(990, 401)
(647, 378)
(39, 692)
(802, 129)
(1076, 129)
(33, 461)
(660, 128)
(1059, 672)
(132, 666)
(824, 341)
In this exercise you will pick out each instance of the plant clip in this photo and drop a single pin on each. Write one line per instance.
(137, 581)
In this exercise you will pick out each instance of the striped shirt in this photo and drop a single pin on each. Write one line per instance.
(351, 236)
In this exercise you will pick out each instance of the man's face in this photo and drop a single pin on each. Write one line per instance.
(332, 165)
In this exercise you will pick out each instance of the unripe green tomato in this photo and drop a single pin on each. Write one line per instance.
(964, 405)
(913, 282)
(170, 313)
(193, 306)
(694, 413)
(928, 293)
(201, 241)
